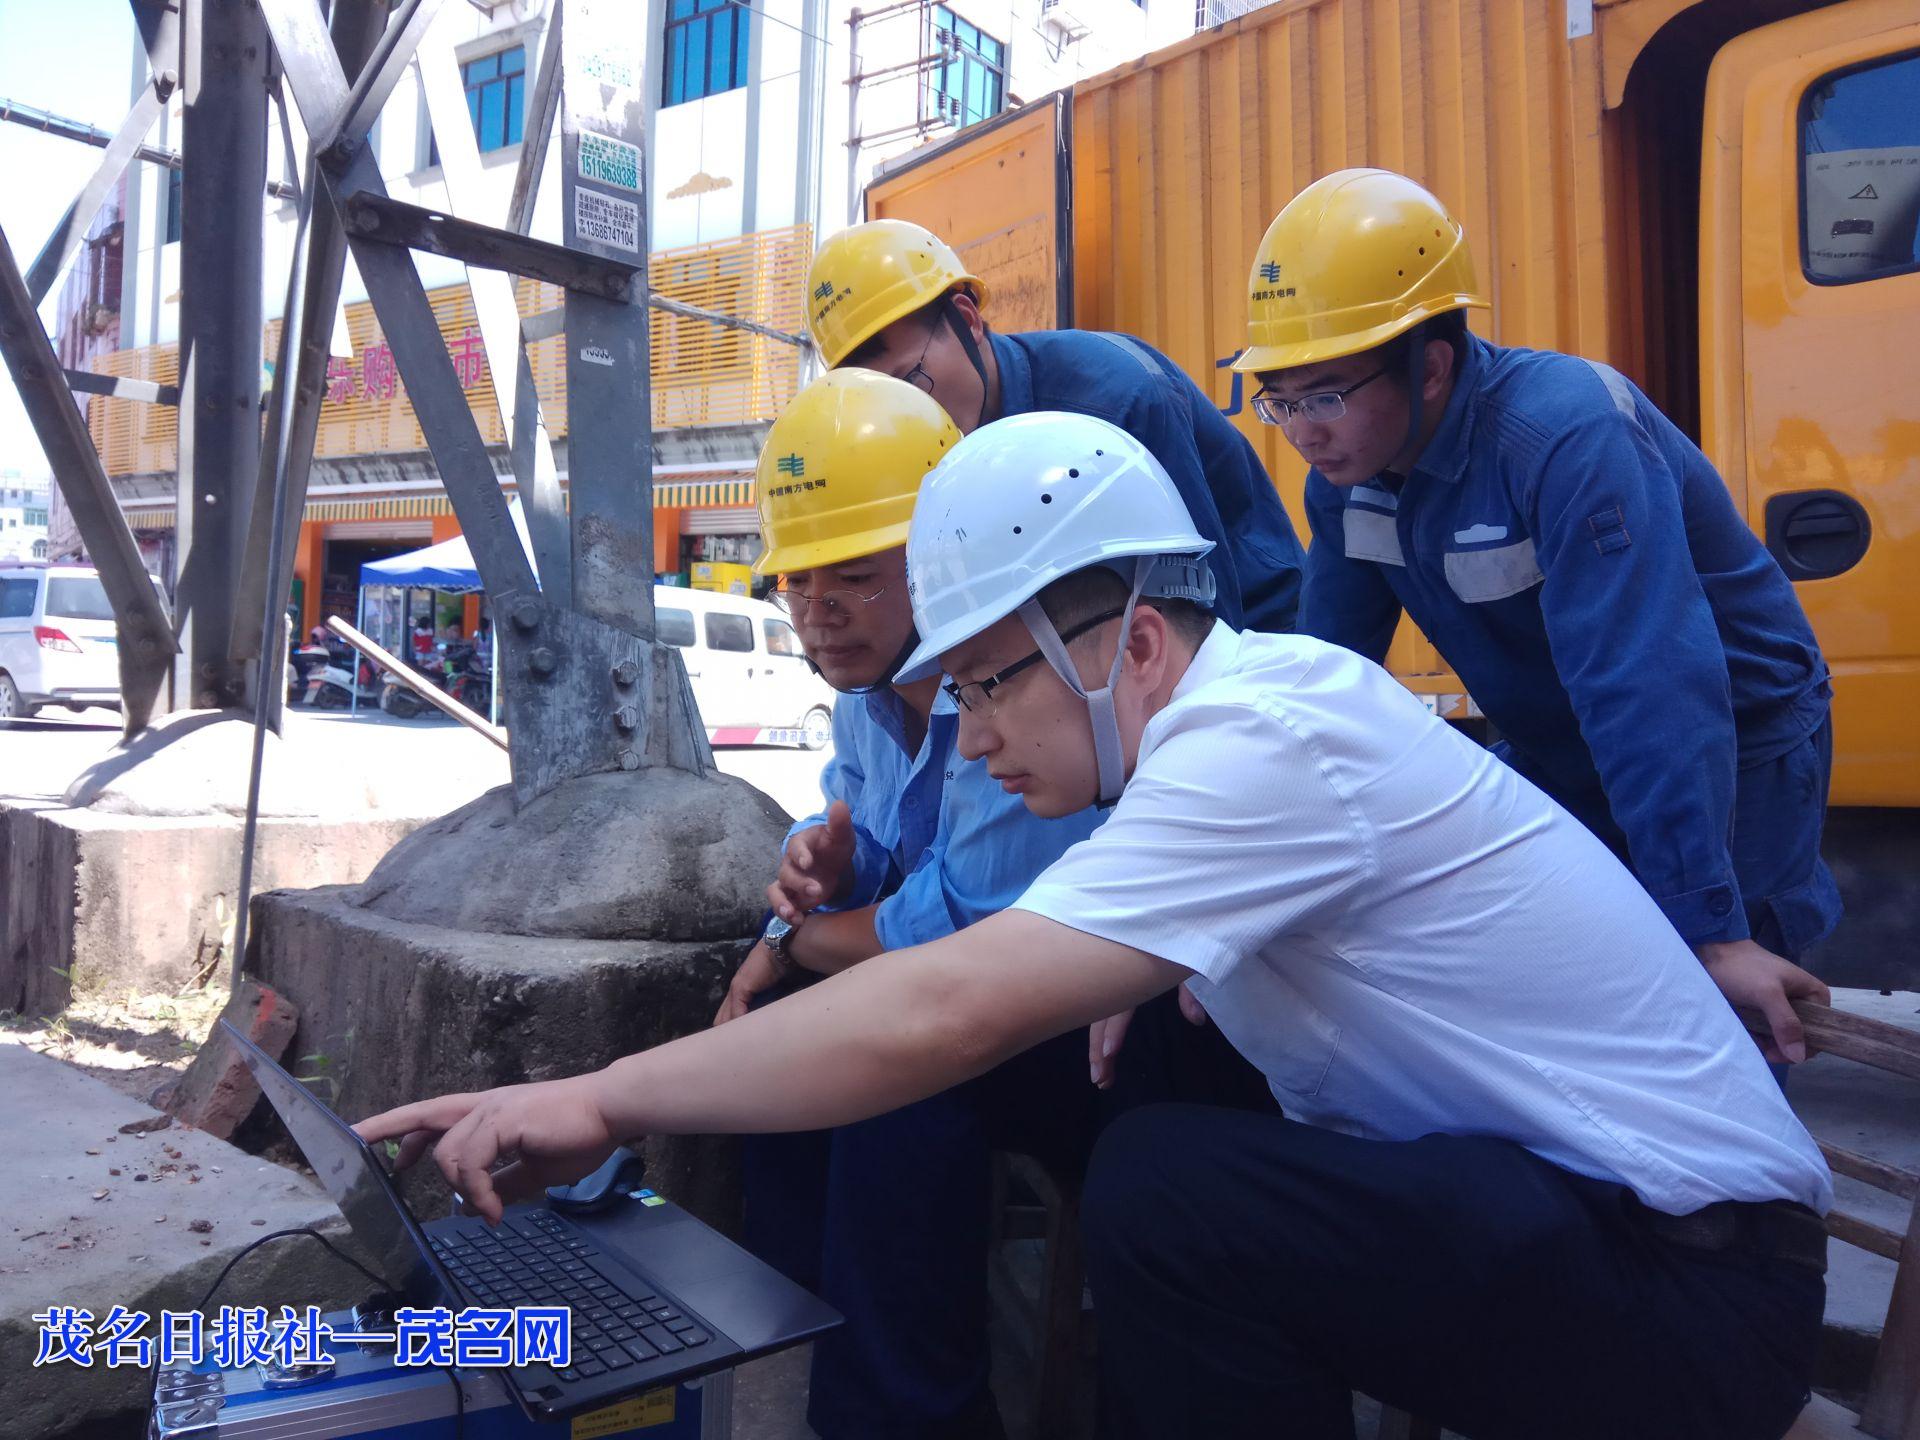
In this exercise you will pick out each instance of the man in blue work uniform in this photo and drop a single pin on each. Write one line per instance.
(1574, 557)
(890, 296)
(889, 1219)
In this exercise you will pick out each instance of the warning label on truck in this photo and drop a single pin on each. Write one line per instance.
(606, 220)
(1863, 211)
(610, 161)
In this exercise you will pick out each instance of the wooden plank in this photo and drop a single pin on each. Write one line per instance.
(1863, 1233)
(1871, 1042)
(1876, 1173)
(1892, 1410)
(414, 681)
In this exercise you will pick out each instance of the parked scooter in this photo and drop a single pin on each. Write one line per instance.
(303, 664)
(399, 700)
(344, 678)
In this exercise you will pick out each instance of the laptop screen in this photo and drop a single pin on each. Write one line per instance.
(389, 1236)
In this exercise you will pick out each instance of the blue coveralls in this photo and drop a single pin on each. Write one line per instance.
(888, 1219)
(1256, 559)
(1583, 568)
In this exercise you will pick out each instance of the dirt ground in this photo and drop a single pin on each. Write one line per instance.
(134, 1043)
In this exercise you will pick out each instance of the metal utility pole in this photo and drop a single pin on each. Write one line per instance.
(223, 219)
(588, 687)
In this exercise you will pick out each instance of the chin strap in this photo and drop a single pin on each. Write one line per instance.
(1416, 369)
(963, 332)
(1106, 725)
(899, 663)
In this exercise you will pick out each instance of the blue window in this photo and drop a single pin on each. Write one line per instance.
(1860, 180)
(706, 49)
(496, 87)
(970, 82)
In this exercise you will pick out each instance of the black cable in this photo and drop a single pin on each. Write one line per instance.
(153, 1385)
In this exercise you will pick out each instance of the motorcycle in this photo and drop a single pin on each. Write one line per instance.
(469, 677)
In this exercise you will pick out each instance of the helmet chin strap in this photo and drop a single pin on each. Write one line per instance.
(1106, 724)
(963, 332)
(898, 664)
(1416, 368)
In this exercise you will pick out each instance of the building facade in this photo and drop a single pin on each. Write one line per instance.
(767, 120)
(23, 516)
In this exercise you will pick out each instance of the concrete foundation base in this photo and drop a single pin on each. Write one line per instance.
(96, 901)
(97, 1215)
(392, 1011)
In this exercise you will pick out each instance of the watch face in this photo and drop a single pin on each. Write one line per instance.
(776, 931)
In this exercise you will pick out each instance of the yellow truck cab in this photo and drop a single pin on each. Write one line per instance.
(1720, 198)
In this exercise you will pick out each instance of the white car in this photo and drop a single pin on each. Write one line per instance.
(749, 676)
(57, 640)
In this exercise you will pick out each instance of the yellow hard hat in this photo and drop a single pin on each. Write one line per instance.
(1353, 260)
(841, 467)
(868, 276)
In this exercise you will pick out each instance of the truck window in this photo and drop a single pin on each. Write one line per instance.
(729, 632)
(1860, 157)
(674, 627)
(780, 638)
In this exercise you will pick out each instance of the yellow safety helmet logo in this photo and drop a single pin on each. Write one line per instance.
(841, 469)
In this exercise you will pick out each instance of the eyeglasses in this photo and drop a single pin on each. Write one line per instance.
(834, 602)
(918, 374)
(1321, 408)
(976, 696)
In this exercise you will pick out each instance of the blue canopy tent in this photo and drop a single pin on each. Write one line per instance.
(447, 567)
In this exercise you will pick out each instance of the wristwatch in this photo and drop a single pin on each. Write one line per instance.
(778, 937)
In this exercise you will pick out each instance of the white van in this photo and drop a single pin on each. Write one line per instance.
(57, 640)
(750, 679)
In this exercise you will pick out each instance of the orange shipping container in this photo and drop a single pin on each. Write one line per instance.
(1628, 173)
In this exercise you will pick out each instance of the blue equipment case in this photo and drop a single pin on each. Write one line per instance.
(367, 1395)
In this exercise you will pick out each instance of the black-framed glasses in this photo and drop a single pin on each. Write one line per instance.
(1322, 407)
(918, 374)
(798, 603)
(976, 696)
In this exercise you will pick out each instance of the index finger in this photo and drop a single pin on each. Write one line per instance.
(437, 1115)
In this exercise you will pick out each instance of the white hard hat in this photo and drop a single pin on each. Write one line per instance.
(1026, 500)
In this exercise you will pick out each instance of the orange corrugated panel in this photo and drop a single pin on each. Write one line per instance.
(1181, 160)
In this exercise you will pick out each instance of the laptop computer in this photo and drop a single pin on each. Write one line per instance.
(656, 1296)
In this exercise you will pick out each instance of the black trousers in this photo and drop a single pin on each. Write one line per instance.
(1249, 1272)
(889, 1221)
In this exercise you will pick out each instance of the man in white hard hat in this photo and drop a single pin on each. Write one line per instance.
(1533, 1179)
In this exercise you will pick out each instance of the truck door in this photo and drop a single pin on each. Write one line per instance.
(1810, 279)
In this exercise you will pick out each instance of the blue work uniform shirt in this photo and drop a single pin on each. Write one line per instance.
(1256, 559)
(1583, 568)
(937, 841)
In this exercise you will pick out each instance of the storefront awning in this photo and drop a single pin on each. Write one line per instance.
(704, 489)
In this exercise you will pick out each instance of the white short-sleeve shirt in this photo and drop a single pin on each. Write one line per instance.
(1409, 938)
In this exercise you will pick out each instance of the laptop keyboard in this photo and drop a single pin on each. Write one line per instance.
(536, 1259)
